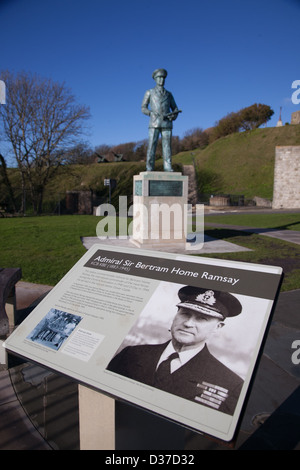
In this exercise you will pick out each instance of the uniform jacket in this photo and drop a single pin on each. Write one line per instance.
(160, 103)
(203, 379)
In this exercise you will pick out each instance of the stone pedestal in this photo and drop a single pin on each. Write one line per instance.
(160, 204)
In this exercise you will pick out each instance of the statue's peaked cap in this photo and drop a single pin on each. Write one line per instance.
(161, 72)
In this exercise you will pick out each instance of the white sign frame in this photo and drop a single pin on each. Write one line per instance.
(115, 297)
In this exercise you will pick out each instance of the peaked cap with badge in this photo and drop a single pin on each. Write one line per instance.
(159, 72)
(209, 302)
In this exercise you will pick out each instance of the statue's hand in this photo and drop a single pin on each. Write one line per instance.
(173, 115)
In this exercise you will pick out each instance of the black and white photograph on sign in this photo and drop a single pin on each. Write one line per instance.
(53, 330)
(193, 342)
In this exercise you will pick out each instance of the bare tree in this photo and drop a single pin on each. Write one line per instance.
(41, 121)
(194, 138)
(80, 154)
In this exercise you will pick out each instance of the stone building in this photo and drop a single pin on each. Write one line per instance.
(286, 192)
(295, 117)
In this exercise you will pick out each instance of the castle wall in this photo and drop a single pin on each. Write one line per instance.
(286, 192)
(295, 117)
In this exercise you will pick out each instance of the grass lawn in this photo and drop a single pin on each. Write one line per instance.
(279, 221)
(265, 250)
(47, 247)
(44, 247)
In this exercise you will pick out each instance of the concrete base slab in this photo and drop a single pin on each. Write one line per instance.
(210, 245)
(291, 236)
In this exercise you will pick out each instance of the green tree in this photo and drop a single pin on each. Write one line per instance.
(254, 116)
(225, 126)
(245, 119)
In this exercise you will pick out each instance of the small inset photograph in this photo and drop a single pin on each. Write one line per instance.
(54, 328)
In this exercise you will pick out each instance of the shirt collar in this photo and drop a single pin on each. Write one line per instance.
(184, 356)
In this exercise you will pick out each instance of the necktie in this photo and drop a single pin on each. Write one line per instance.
(162, 378)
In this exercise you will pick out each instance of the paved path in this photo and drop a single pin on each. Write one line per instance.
(210, 245)
(292, 236)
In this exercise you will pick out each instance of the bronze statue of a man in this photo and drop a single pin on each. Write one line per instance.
(163, 111)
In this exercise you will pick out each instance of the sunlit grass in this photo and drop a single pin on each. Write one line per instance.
(47, 247)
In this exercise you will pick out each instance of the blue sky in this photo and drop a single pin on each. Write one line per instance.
(221, 56)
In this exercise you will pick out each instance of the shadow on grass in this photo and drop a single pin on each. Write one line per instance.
(275, 229)
(264, 250)
(224, 233)
(250, 229)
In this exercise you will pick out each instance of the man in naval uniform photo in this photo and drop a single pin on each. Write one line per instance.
(184, 366)
(163, 110)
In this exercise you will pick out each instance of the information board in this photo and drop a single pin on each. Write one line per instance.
(119, 313)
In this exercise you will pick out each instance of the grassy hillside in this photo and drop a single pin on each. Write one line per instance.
(85, 177)
(237, 164)
(244, 163)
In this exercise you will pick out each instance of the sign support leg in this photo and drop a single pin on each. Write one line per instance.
(96, 420)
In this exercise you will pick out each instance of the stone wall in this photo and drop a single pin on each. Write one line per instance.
(295, 117)
(79, 202)
(286, 192)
